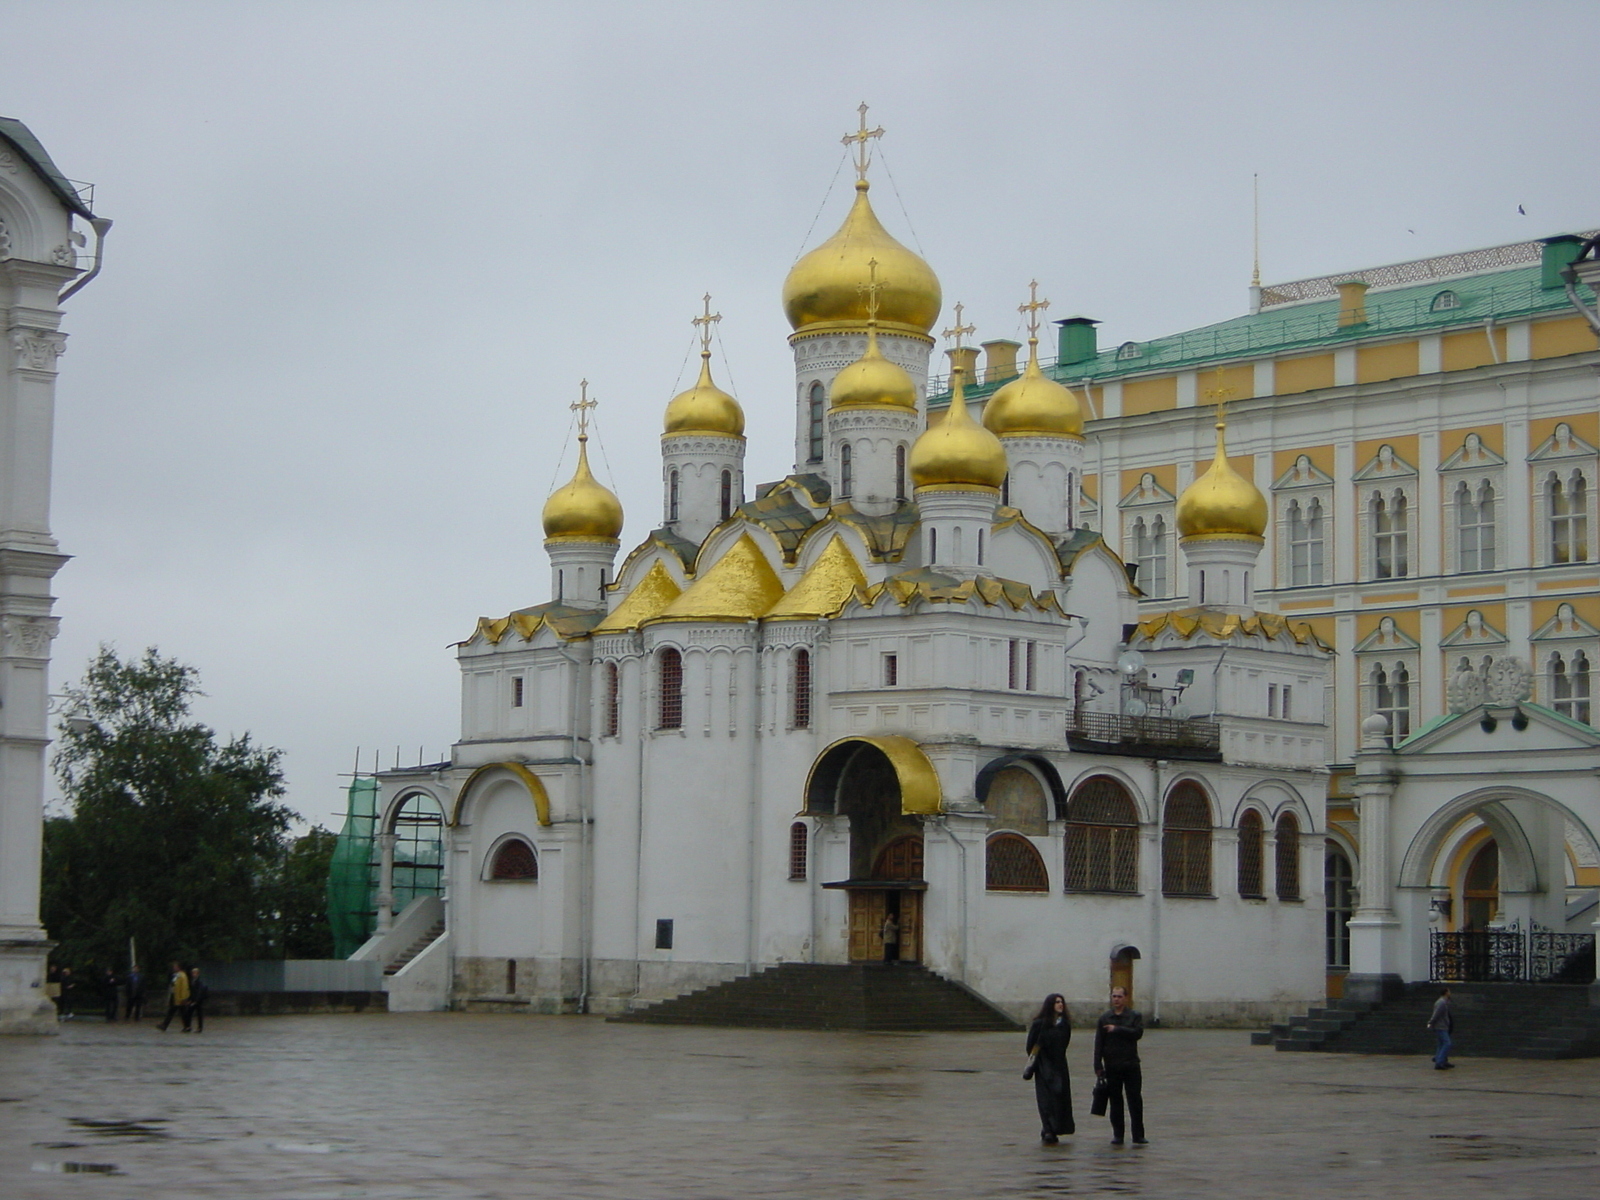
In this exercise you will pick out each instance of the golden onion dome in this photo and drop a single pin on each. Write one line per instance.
(1033, 403)
(872, 381)
(1222, 502)
(705, 408)
(958, 452)
(585, 510)
(825, 286)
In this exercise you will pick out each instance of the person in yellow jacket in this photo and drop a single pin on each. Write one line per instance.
(177, 999)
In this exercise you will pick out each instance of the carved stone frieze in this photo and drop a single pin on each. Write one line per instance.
(27, 637)
(37, 349)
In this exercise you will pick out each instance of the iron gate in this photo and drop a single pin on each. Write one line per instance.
(1511, 955)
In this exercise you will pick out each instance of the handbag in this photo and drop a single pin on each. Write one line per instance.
(1033, 1064)
(1099, 1098)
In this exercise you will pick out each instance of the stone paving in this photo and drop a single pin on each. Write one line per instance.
(447, 1106)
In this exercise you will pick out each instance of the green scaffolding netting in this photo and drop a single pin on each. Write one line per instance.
(353, 874)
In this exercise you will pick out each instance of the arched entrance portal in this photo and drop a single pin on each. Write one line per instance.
(1480, 888)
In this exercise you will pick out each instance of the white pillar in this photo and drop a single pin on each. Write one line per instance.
(1374, 929)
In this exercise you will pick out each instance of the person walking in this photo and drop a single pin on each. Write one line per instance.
(68, 987)
(133, 990)
(1442, 1022)
(110, 985)
(177, 999)
(198, 991)
(1048, 1039)
(891, 939)
(1116, 1061)
(52, 988)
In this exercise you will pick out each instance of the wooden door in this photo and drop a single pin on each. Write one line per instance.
(867, 910)
(1122, 975)
(911, 927)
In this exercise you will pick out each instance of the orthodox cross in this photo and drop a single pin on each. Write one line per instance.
(1220, 396)
(1033, 308)
(582, 407)
(861, 137)
(704, 322)
(871, 288)
(958, 330)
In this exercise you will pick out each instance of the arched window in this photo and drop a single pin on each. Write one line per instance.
(1150, 553)
(613, 700)
(1102, 838)
(1186, 843)
(814, 409)
(1305, 544)
(727, 494)
(1475, 526)
(799, 840)
(1391, 558)
(933, 546)
(980, 547)
(1569, 685)
(672, 495)
(1445, 301)
(802, 689)
(899, 472)
(846, 474)
(670, 714)
(1251, 841)
(1391, 697)
(514, 859)
(1337, 883)
(1013, 864)
(1288, 857)
(418, 827)
(1568, 502)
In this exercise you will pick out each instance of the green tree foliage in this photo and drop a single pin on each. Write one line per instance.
(299, 898)
(173, 837)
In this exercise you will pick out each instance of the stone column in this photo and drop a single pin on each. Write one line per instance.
(386, 843)
(1374, 927)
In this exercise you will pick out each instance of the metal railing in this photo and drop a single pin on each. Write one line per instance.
(1115, 733)
(1511, 956)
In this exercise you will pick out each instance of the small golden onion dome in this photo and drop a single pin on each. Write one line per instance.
(825, 285)
(1033, 403)
(872, 381)
(1222, 502)
(705, 408)
(958, 452)
(585, 510)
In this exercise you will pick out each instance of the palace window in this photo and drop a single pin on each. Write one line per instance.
(1568, 506)
(1013, 864)
(613, 700)
(815, 404)
(672, 495)
(727, 495)
(1102, 838)
(514, 860)
(1475, 526)
(846, 472)
(1569, 685)
(1391, 698)
(802, 689)
(1251, 840)
(670, 713)
(1150, 553)
(1186, 843)
(1305, 544)
(1391, 557)
(1338, 883)
(1287, 855)
(799, 841)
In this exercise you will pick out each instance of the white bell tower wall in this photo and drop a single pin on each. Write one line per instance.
(702, 482)
(818, 357)
(1044, 480)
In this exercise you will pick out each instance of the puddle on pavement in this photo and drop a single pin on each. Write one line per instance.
(137, 1131)
(1481, 1147)
(76, 1168)
(58, 1145)
(301, 1147)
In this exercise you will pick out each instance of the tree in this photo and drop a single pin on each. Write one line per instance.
(172, 835)
(299, 898)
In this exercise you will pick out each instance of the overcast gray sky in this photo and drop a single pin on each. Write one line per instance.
(364, 252)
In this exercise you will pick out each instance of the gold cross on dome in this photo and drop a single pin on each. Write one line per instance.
(704, 322)
(1220, 396)
(958, 330)
(582, 407)
(872, 288)
(1033, 308)
(861, 137)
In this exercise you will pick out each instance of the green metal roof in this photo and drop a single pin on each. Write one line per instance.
(24, 143)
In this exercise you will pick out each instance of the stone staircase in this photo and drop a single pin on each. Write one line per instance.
(1492, 1020)
(416, 948)
(903, 998)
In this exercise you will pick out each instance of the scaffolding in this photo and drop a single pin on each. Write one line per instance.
(353, 874)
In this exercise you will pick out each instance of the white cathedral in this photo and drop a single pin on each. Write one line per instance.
(907, 680)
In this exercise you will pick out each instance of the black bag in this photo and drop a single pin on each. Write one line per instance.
(1033, 1065)
(1100, 1098)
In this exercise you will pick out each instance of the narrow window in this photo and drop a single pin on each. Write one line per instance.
(670, 715)
(899, 472)
(1005, 490)
(1305, 544)
(664, 934)
(1013, 657)
(1392, 698)
(727, 494)
(814, 415)
(1272, 699)
(672, 495)
(1186, 843)
(933, 546)
(1250, 853)
(1283, 709)
(561, 585)
(1032, 665)
(798, 842)
(1338, 882)
(613, 700)
(802, 689)
(846, 474)
(1580, 687)
(1150, 552)
(980, 547)
(1288, 857)
(1569, 518)
(891, 670)
(1475, 538)
(516, 691)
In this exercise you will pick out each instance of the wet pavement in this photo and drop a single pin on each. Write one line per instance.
(446, 1106)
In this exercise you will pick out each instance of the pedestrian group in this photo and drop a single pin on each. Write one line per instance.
(1119, 1086)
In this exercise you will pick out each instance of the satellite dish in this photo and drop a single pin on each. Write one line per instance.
(1181, 712)
(1130, 662)
(1135, 707)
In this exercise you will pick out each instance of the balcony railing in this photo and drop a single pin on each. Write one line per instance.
(1145, 737)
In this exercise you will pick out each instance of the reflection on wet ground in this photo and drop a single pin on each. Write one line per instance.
(452, 1107)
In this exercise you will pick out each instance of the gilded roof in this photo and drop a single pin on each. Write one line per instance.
(1189, 623)
(653, 593)
(784, 514)
(741, 586)
(704, 408)
(1222, 502)
(935, 587)
(563, 620)
(886, 536)
(825, 587)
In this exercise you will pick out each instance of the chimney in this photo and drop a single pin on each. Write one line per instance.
(1352, 303)
(1076, 341)
(966, 359)
(1560, 252)
(1000, 361)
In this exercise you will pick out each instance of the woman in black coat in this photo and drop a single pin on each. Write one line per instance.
(1048, 1038)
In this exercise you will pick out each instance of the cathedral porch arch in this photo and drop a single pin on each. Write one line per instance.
(920, 793)
(1520, 869)
(470, 791)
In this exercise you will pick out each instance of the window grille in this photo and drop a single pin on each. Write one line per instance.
(1102, 838)
(514, 860)
(1390, 536)
(517, 684)
(727, 494)
(1013, 864)
(1150, 553)
(1391, 694)
(672, 495)
(1305, 544)
(799, 842)
(802, 689)
(1288, 857)
(1475, 526)
(1250, 854)
(815, 405)
(613, 700)
(1337, 883)
(671, 709)
(1569, 517)
(1186, 843)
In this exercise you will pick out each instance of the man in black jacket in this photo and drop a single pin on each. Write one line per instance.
(1116, 1061)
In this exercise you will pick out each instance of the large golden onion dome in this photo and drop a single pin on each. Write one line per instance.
(585, 510)
(705, 408)
(872, 381)
(958, 452)
(1222, 503)
(1033, 403)
(825, 286)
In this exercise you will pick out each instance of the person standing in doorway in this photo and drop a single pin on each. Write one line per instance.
(1116, 1061)
(198, 991)
(1442, 1022)
(891, 939)
(177, 999)
(1048, 1038)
